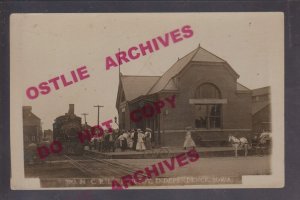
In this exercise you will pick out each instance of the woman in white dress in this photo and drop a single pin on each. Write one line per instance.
(129, 140)
(140, 146)
(188, 142)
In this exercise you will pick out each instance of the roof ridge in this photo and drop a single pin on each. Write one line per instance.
(191, 52)
(213, 54)
(196, 50)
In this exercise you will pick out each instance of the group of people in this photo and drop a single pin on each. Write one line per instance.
(134, 139)
(138, 140)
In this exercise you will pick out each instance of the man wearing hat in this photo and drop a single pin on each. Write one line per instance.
(148, 136)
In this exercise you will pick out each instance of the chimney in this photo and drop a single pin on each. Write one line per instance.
(71, 109)
(27, 108)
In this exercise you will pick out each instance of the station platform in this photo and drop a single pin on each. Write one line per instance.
(167, 152)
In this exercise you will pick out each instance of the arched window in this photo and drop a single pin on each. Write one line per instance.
(207, 91)
(208, 115)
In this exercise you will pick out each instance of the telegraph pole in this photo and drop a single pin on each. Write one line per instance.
(84, 114)
(119, 67)
(98, 106)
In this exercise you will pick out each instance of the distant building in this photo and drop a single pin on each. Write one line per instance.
(261, 109)
(32, 128)
(208, 98)
(48, 135)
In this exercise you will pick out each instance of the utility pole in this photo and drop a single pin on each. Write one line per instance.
(119, 67)
(98, 106)
(84, 114)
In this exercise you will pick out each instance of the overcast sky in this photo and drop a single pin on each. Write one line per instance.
(47, 45)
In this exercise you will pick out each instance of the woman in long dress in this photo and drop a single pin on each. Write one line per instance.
(140, 146)
(129, 140)
(188, 142)
(148, 137)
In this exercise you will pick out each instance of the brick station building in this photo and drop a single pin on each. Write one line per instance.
(208, 98)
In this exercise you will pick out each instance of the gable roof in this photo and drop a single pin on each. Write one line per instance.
(135, 86)
(197, 55)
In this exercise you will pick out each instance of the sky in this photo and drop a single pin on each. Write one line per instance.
(44, 46)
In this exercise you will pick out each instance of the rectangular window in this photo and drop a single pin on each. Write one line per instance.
(214, 116)
(208, 116)
(201, 116)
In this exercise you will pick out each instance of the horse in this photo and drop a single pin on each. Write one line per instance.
(239, 143)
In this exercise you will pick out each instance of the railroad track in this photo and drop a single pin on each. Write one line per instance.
(92, 167)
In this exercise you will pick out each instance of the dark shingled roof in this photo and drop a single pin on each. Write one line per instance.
(135, 86)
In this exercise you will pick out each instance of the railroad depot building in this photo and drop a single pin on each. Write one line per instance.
(208, 98)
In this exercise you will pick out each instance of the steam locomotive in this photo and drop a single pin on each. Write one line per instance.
(66, 129)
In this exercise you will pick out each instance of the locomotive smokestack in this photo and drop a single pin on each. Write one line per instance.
(71, 109)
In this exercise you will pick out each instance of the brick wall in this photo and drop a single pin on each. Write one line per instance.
(236, 114)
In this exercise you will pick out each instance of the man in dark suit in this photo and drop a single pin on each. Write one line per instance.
(135, 138)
